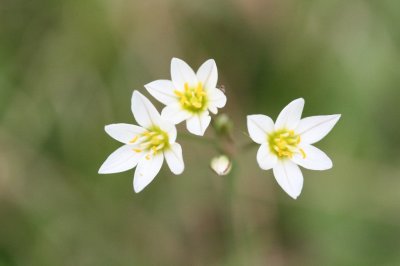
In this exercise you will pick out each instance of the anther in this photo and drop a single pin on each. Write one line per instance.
(303, 153)
(134, 139)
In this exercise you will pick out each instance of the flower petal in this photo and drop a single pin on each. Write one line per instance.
(208, 74)
(146, 170)
(123, 132)
(175, 113)
(122, 159)
(198, 123)
(265, 158)
(174, 159)
(182, 73)
(312, 129)
(290, 116)
(216, 98)
(314, 159)
(213, 109)
(259, 126)
(168, 128)
(162, 90)
(289, 177)
(144, 111)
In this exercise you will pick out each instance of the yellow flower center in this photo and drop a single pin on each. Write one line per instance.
(151, 141)
(285, 143)
(192, 99)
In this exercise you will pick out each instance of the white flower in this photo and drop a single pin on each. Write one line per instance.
(288, 143)
(145, 145)
(189, 96)
(221, 165)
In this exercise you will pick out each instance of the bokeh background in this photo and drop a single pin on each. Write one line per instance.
(67, 68)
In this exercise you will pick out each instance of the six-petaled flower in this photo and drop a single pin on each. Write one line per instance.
(145, 146)
(288, 143)
(189, 96)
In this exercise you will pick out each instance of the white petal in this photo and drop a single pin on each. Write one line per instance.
(162, 90)
(146, 170)
(175, 113)
(123, 132)
(290, 116)
(182, 73)
(259, 126)
(144, 111)
(216, 98)
(174, 158)
(265, 158)
(315, 159)
(312, 129)
(213, 109)
(198, 123)
(208, 74)
(123, 159)
(168, 128)
(289, 177)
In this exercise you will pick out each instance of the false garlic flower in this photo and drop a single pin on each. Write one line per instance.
(189, 96)
(145, 146)
(288, 143)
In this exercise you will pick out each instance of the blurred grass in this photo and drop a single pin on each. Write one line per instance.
(67, 68)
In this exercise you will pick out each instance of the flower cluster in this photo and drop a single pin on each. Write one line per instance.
(188, 96)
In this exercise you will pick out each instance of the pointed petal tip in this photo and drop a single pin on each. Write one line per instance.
(137, 186)
(102, 171)
(136, 93)
(301, 99)
(175, 60)
(178, 172)
(294, 196)
(211, 60)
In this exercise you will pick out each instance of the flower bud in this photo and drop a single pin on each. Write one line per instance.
(221, 165)
(223, 124)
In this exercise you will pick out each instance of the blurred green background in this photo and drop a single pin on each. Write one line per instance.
(67, 68)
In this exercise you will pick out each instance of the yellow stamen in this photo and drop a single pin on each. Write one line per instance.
(151, 141)
(276, 148)
(178, 93)
(192, 99)
(284, 143)
(303, 153)
(134, 139)
(284, 135)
